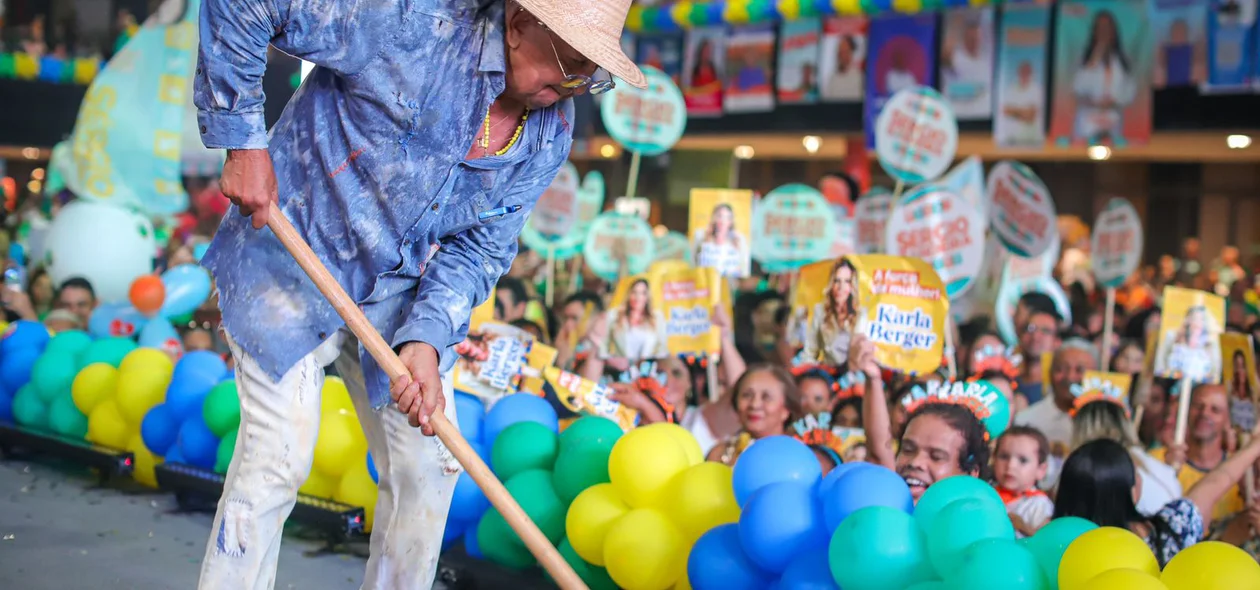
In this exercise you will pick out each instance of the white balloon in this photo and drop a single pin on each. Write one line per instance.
(110, 246)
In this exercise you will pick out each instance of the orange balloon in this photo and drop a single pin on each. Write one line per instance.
(147, 294)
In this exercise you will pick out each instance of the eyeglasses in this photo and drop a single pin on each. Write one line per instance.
(1042, 330)
(577, 82)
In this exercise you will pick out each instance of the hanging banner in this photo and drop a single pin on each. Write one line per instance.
(749, 84)
(967, 62)
(942, 229)
(1180, 42)
(797, 77)
(1231, 32)
(871, 216)
(1023, 214)
(902, 307)
(792, 226)
(1022, 71)
(702, 71)
(1116, 244)
(902, 56)
(916, 135)
(1008, 297)
(663, 52)
(842, 58)
(721, 230)
(1102, 74)
(618, 245)
(649, 121)
(1190, 329)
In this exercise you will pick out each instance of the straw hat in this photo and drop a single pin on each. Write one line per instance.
(593, 28)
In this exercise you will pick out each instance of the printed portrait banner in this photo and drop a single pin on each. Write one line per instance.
(1238, 373)
(808, 291)
(1102, 95)
(649, 121)
(1023, 54)
(499, 359)
(1008, 297)
(871, 216)
(942, 229)
(1231, 33)
(916, 135)
(1022, 213)
(797, 76)
(967, 181)
(842, 58)
(902, 309)
(1116, 244)
(1190, 328)
(902, 55)
(792, 226)
(663, 52)
(703, 67)
(967, 62)
(721, 230)
(749, 86)
(1102, 386)
(618, 245)
(1180, 42)
(684, 299)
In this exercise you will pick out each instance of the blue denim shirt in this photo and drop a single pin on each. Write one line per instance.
(370, 159)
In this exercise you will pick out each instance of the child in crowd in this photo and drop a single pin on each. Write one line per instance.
(1019, 463)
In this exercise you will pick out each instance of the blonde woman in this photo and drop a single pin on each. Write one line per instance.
(1194, 350)
(831, 328)
(719, 246)
(636, 332)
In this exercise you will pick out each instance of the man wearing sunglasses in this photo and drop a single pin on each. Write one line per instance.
(408, 160)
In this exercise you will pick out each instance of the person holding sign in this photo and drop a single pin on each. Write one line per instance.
(1206, 447)
(635, 331)
(1191, 351)
(831, 327)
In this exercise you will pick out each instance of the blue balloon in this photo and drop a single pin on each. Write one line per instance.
(779, 522)
(454, 530)
(771, 460)
(875, 485)
(808, 571)
(520, 407)
(50, 68)
(470, 543)
(197, 445)
(160, 429)
(840, 471)
(468, 502)
(15, 369)
(195, 375)
(116, 319)
(470, 413)
(201, 365)
(160, 334)
(24, 335)
(6, 406)
(371, 465)
(174, 456)
(717, 562)
(187, 287)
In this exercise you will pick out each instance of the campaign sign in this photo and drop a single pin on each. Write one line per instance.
(618, 245)
(792, 226)
(916, 135)
(648, 121)
(902, 307)
(942, 229)
(1021, 212)
(871, 214)
(1116, 246)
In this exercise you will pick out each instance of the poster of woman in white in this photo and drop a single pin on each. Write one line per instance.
(1021, 74)
(967, 62)
(842, 58)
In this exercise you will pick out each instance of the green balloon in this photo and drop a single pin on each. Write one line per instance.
(521, 447)
(929, 585)
(29, 409)
(996, 563)
(222, 409)
(223, 459)
(578, 468)
(181, 321)
(53, 374)
(962, 523)
(8, 65)
(596, 577)
(589, 430)
(534, 492)
(110, 351)
(1052, 540)
(500, 544)
(946, 491)
(72, 342)
(899, 559)
(66, 419)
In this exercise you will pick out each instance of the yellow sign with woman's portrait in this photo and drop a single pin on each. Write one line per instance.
(1238, 368)
(901, 306)
(663, 313)
(1190, 327)
(721, 230)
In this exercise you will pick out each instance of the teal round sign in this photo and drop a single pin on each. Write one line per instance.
(648, 121)
(619, 245)
(793, 226)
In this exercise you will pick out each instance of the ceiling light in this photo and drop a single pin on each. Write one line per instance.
(607, 150)
(34, 186)
(37, 174)
(1099, 152)
(744, 152)
(811, 143)
(30, 153)
(1238, 142)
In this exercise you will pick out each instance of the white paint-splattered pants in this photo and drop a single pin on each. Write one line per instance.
(274, 451)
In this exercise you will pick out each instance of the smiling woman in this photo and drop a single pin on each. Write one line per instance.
(767, 401)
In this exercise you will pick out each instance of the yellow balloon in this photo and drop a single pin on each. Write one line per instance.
(689, 444)
(1124, 579)
(789, 9)
(590, 515)
(25, 66)
(334, 396)
(94, 384)
(643, 551)
(701, 498)
(320, 485)
(1211, 565)
(142, 469)
(680, 12)
(847, 7)
(107, 427)
(85, 70)
(1103, 549)
(357, 489)
(643, 462)
(340, 444)
(735, 12)
(143, 377)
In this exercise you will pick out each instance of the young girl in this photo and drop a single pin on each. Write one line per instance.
(1019, 463)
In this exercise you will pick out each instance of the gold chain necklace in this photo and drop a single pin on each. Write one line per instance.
(485, 135)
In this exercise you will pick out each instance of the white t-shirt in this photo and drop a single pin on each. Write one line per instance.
(1035, 510)
(1159, 483)
(693, 420)
(1057, 426)
(1012, 130)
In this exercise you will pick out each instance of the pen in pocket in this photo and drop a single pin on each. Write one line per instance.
(498, 212)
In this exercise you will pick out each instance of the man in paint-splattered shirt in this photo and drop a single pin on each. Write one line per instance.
(409, 160)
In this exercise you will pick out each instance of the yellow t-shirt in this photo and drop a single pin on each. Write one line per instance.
(1230, 504)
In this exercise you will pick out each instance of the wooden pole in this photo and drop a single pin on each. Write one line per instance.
(448, 433)
(1109, 318)
(1183, 412)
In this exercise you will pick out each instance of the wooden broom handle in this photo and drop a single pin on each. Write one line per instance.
(380, 350)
